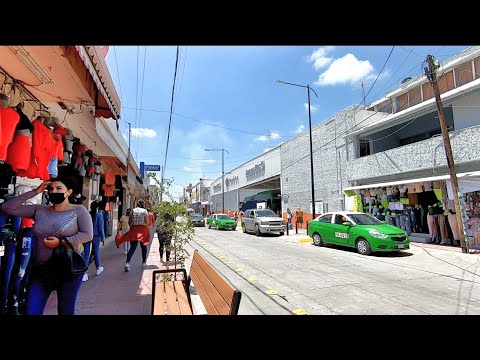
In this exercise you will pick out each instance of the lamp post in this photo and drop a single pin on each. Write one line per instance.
(311, 142)
(223, 183)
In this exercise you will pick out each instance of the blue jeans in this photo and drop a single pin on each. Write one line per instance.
(39, 292)
(133, 247)
(94, 246)
(24, 251)
(8, 260)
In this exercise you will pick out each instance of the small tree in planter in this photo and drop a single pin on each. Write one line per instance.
(182, 228)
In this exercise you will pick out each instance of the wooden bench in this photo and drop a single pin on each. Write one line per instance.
(171, 296)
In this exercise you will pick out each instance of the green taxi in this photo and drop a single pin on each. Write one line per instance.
(221, 221)
(357, 230)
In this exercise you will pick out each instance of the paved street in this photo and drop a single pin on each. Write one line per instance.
(301, 277)
(333, 280)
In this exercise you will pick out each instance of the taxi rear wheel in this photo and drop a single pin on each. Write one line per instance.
(363, 247)
(317, 239)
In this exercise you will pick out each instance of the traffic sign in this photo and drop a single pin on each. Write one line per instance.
(153, 168)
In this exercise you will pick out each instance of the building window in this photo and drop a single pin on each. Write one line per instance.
(385, 106)
(414, 96)
(463, 74)
(365, 147)
(445, 82)
(420, 137)
(401, 102)
(476, 64)
(427, 91)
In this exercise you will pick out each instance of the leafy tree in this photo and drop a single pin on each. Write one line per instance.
(182, 228)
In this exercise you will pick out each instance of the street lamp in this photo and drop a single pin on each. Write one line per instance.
(311, 146)
(223, 183)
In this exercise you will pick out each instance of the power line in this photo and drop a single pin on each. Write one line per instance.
(170, 121)
(185, 158)
(383, 67)
(141, 96)
(136, 93)
(201, 121)
(118, 75)
(412, 52)
(342, 135)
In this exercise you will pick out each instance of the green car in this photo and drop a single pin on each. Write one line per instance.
(357, 230)
(221, 221)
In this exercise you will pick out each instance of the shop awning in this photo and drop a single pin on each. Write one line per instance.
(98, 69)
(411, 181)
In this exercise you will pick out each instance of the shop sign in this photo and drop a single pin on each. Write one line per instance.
(231, 181)
(256, 171)
(217, 188)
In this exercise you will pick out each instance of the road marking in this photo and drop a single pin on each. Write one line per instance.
(271, 292)
(221, 257)
(300, 312)
(252, 279)
(239, 269)
(305, 240)
(229, 262)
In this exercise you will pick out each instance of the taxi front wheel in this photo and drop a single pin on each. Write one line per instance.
(363, 247)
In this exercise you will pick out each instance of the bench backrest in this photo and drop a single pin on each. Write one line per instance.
(218, 296)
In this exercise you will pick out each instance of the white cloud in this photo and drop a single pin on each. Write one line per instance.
(319, 59)
(347, 69)
(385, 74)
(313, 108)
(300, 129)
(262, 138)
(193, 145)
(273, 135)
(144, 133)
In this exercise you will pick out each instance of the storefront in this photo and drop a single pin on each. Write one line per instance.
(423, 207)
(242, 184)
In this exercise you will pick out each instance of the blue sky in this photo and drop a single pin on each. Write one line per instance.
(225, 96)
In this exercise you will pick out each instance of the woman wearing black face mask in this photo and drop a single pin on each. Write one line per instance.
(60, 220)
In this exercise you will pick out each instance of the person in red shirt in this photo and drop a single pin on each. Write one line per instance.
(151, 219)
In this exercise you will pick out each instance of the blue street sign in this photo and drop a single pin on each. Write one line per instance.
(153, 168)
(142, 169)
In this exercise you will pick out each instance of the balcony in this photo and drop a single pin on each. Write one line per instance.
(422, 155)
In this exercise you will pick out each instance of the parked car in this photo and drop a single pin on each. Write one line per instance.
(198, 220)
(221, 221)
(262, 221)
(357, 230)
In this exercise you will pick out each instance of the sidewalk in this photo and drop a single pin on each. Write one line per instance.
(116, 292)
(301, 237)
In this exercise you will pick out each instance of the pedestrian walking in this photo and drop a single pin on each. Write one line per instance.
(92, 248)
(138, 233)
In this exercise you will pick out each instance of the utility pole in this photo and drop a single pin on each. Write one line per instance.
(431, 73)
(223, 185)
(128, 162)
(223, 175)
(311, 153)
(363, 95)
